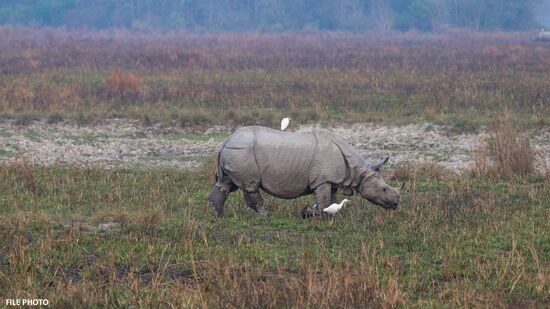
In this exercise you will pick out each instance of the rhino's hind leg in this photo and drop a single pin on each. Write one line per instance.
(217, 200)
(255, 201)
(219, 195)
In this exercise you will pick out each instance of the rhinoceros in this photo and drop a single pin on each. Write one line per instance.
(293, 164)
(543, 36)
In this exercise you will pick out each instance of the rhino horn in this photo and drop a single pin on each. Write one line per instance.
(378, 165)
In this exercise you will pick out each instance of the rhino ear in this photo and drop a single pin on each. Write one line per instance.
(378, 165)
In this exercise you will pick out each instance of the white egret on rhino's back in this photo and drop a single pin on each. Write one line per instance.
(334, 208)
(284, 123)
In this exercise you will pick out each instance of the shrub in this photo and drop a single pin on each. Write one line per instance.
(195, 118)
(124, 84)
(24, 119)
(507, 152)
(55, 118)
(146, 120)
(410, 171)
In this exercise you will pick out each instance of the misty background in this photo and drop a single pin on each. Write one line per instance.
(279, 15)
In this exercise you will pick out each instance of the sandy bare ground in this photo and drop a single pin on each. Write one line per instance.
(126, 143)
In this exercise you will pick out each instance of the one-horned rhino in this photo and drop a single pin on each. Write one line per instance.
(543, 36)
(293, 164)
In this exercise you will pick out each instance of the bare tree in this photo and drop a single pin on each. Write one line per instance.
(382, 15)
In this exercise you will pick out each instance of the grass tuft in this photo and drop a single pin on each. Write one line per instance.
(24, 119)
(124, 85)
(54, 118)
(507, 152)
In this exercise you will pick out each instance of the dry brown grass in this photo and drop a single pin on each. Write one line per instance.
(124, 84)
(27, 174)
(410, 171)
(310, 77)
(507, 152)
(324, 284)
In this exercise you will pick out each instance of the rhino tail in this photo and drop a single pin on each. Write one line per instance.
(219, 172)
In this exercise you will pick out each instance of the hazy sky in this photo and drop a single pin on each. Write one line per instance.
(543, 14)
(279, 15)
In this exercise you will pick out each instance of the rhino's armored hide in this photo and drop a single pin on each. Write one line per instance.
(543, 36)
(285, 164)
(289, 165)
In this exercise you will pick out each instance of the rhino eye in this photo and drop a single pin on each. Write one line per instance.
(384, 189)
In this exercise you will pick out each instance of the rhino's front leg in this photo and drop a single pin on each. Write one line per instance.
(323, 197)
(333, 192)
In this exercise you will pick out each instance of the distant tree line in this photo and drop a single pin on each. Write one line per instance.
(274, 15)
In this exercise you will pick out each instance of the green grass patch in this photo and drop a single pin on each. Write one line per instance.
(6, 153)
(196, 137)
(450, 242)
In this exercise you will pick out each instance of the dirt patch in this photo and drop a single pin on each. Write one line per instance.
(126, 143)
(112, 143)
(423, 142)
(84, 228)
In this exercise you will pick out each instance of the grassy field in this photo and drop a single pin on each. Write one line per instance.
(148, 238)
(453, 78)
(92, 237)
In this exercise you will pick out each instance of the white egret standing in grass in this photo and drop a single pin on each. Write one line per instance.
(334, 208)
(284, 123)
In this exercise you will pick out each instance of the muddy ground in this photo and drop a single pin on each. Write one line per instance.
(127, 143)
